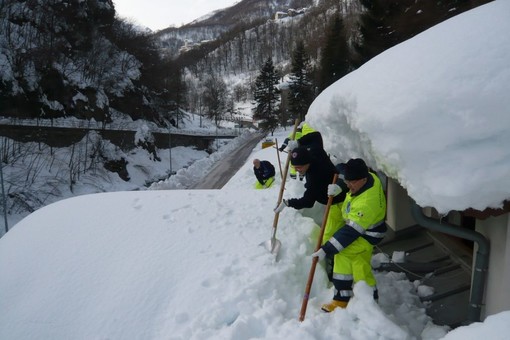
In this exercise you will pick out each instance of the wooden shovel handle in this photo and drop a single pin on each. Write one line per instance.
(284, 178)
(316, 259)
(278, 155)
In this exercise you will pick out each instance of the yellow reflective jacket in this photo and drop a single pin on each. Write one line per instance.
(364, 216)
(366, 210)
(305, 129)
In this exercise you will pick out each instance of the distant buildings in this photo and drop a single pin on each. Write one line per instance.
(291, 12)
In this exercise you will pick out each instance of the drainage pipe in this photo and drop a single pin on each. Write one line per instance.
(481, 260)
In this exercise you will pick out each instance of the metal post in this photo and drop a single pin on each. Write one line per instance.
(4, 199)
(171, 172)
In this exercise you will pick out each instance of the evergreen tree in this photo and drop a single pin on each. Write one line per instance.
(266, 96)
(376, 32)
(386, 23)
(335, 58)
(300, 86)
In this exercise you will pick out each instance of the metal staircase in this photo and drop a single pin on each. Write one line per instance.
(439, 261)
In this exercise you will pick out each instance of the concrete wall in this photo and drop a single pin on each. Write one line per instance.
(398, 213)
(62, 137)
(497, 289)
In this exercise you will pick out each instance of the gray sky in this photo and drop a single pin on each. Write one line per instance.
(159, 14)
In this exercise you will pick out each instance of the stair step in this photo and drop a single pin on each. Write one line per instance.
(427, 267)
(439, 296)
(451, 310)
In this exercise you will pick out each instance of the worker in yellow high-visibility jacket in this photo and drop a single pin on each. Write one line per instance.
(364, 213)
(305, 136)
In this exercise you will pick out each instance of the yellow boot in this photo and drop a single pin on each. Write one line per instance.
(329, 307)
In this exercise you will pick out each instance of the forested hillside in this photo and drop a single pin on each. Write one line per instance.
(339, 36)
(75, 58)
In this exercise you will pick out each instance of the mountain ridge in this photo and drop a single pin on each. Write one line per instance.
(245, 14)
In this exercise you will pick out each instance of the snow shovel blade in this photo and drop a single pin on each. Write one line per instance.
(273, 246)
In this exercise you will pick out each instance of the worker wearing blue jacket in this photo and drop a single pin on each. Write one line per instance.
(264, 172)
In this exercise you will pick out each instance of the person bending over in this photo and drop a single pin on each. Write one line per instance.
(264, 171)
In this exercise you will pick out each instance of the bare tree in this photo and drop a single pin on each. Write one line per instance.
(214, 98)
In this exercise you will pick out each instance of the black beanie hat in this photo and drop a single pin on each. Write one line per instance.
(300, 156)
(355, 169)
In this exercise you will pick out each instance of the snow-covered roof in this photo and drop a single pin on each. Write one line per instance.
(432, 112)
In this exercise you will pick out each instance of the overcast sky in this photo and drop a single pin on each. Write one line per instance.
(160, 14)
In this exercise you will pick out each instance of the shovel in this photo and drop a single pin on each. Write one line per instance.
(273, 245)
